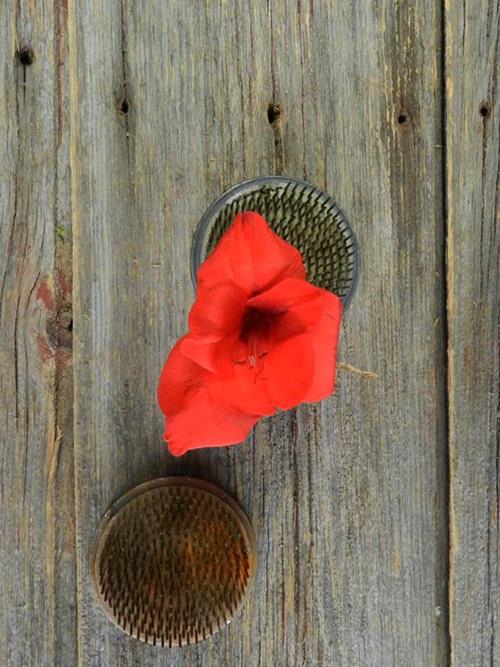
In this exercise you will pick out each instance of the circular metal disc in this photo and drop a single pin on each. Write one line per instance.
(301, 214)
(172, 561)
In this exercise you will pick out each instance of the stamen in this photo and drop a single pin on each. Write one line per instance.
(253, 335)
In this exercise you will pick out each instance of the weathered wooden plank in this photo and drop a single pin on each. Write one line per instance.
(473, 131)
(37, 554)
(347, 498)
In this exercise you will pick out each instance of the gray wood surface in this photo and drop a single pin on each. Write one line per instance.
(377, 542)
(473, 132)
(347, 497)
(37, 534)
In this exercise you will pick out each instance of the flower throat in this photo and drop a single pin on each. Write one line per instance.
(255, 327)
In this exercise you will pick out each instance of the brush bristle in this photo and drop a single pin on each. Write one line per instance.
(310, 221)
(172, 566)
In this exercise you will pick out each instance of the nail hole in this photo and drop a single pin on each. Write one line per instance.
(402, 118)
(26, 55)
(485, 109)
(123, 106)
(273, 113)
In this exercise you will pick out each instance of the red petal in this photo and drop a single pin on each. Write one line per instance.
(292, 294)
(193, 418)
(217, 311)
(179, 378)
(281, 379)
(198, 351)
(214, 357)
(251, 256)
(245, 390)
(325, 339)
(290, 368)
(203, 423)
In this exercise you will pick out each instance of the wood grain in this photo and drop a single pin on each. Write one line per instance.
(376, 511)
(37, 546)
(473, 131)
(348, 497)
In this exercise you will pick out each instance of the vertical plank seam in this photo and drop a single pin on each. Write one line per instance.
(496, 498)
(446, 305)
(302, 88)
(73, 96)
(124, 50)
(279, 159)
(496, 489)
(240, 79)
(54, 434)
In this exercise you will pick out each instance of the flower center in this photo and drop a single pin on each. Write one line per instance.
(255, 322)
(254, 331)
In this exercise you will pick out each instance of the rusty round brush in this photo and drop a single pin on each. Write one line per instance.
(301, 214)
(172, 561)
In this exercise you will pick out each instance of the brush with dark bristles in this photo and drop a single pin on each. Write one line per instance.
(302, 215)
(172, 561)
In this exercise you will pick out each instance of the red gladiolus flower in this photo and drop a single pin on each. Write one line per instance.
(260, 338)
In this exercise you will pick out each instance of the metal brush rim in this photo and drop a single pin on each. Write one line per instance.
(205, 225)
(118, 505)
